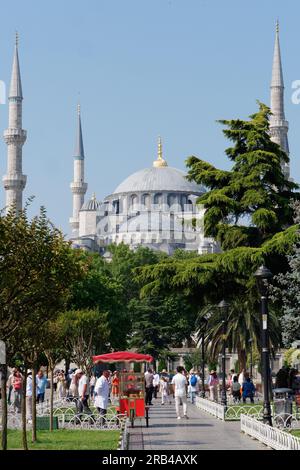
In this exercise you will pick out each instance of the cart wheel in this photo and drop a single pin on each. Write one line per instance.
(132, 418)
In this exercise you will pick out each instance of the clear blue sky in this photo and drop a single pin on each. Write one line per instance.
(143, 68)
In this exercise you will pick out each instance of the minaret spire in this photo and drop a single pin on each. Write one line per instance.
(78, 186)
(14, 181)
(278, 125)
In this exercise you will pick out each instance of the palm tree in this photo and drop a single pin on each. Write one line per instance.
(243, 323)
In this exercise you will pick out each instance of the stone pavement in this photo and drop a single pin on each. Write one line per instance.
(201, 431)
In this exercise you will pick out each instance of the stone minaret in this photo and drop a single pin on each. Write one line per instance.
(278, 125)
(14, 181)
(78, 186)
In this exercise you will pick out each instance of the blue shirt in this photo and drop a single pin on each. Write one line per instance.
(41, 384)
(248, 389)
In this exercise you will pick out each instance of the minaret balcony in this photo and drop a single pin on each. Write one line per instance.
(278, 123)
(15, 136)
(14, 181)
(78, 187)
(74, 222)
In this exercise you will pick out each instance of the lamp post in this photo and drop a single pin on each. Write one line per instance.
(263, 274)
(251, 358)
(224, 306)
(203, 321)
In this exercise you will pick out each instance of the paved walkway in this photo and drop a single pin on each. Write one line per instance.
(201, 431)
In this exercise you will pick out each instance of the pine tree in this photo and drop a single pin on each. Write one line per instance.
(249, 204)
(289, 293)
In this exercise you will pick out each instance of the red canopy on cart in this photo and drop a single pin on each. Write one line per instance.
(123, 356)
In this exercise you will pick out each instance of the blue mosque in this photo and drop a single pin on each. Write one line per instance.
(154, 207)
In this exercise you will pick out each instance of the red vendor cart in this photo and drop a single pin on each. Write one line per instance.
(131, 387)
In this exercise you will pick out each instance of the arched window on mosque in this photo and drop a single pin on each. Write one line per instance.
(146, 201)
(134, 201)
(158, 199)
(184, 201)
(189, 205)
(172, 201)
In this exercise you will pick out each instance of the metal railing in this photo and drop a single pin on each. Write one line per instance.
(268, 435)
(215, 409)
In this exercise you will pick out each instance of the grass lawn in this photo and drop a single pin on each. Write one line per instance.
(65, 439)
(296, 432)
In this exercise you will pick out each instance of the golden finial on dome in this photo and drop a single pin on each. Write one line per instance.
(94, 197)
(160, 162)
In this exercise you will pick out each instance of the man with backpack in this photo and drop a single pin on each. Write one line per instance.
(193, 382)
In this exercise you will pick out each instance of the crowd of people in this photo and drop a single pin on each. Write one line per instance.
(179, 386)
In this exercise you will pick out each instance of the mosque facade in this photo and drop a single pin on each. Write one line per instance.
(155, 207)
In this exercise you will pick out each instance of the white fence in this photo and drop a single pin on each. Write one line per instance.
(211, 407)
(272, 437)
(123, 442)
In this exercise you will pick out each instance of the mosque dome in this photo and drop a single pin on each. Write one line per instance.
(160, 177)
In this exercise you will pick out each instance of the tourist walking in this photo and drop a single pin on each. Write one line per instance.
(149, 386)
(115, 384)
(83, 392)
(73, 390)
(248, 390)
(180, 383)
(61, 386)
(92, 385)
(213, 385)
(41, 383)
(155, 384)
(17, 383)
(29, 396)
(163, 389)
(102, 394)
(242, 377)
(9, 385)
(55, 380)
(236, 389)
(192, 387)
(232, 374)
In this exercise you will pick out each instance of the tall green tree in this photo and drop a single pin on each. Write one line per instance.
(242, 324)
(250, 203)
(37, 267)
(110, 286)
(247, 211)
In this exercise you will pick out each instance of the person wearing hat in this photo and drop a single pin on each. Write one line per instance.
(213, 385)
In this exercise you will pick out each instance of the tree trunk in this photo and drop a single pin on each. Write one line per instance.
(4, 406)
(67, 364)
(242, 359)
(51, 396)
(23, 411)
(33, 403)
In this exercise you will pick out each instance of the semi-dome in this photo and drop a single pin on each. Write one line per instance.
(91, 205)
(162, 178)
